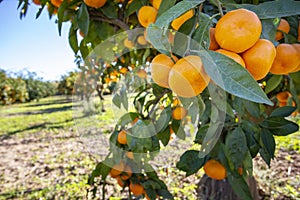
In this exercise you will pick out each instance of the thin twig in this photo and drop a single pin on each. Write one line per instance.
(220, 8)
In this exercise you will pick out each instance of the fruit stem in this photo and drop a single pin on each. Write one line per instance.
(220, 8)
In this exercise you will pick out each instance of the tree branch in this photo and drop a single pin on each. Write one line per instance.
(97, 16)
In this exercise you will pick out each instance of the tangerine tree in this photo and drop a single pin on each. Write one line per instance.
(223, 73)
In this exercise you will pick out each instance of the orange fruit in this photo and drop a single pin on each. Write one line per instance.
(95, 3)
(156, 4)
(136, 189)
(187, 78)
(123, 70)
(147, 15)
(160, 68)
(142, 73)
(179, 113)
(176, 102)
(287, 59)
(282, 104)
(283, 96)
(127, 173)
(127, 43)
(240, 171)
(238, 30)
(213, 45)
(176, 23)
(141, 40)
(56, 3)
(37, 2)
(283, 26)
(122, 137)
(129, 155)
(259, 58)
(214, 170)
(116, 170)
(234, 56)
(298, 48)
(120, 181)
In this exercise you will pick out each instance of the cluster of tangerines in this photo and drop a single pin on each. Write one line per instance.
(285, 98)
(237, 36)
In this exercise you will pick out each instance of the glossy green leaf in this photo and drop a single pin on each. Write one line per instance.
(201, 34)
(190, 162)
(159, 39)
(284, 111)
(117, 100)
(235, 148)
(239, 186)
(164, 136)
(175, 11)
(83, 19)
(134, 6)
(268, 142)
(73, 41)
(272, 83)
(280, 126)
(164, 6)
(271, 9)
(163, 121)
(233, 78)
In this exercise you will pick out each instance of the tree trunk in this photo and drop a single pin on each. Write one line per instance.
(209, 189)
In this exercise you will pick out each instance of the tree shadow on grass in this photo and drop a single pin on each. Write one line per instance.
(50, 102)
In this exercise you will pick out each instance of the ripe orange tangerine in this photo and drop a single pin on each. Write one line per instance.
(122, 137)
(298, 48)
(141, 40)
(136, 189)
(238, 30)
(156, 4)
(215, 170)
(147, 15)
(187, 78)
(95, 3)
(287, 59)
(37, 2)
(213, 45)
(116, 170)
(234, 56)
(179, 113)
(283, 96)
(56, 3)
(127, 43)
(259, 58)
(142, 73)
(283, 26)
(176, 24)
(160, 68)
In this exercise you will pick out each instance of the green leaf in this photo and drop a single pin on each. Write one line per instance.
(110, 10)
(127, 118)
(268, 142)
(83, 49)
(252, 134)
(163, 121)
(280, 126)
(272, 83)
(201, 34)
(271, 9)
(190, 162)
(265, 156)
(164, 6)
(252, 108)
(139, 138)
(134, 6)
(123, 95)
(73, 41)
(235, 148)
(175, 11)
(159, 39)
(211, 138)
(83, 19)
(201, 134)
(268, 29)
(164, 136)
(283, 111)
(233, 78)
(239, 186)
(117, 100)
(60, 15)
(180, 133)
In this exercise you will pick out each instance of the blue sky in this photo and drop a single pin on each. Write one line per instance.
(33, 44)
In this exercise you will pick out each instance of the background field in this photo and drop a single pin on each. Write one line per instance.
(44, 156)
